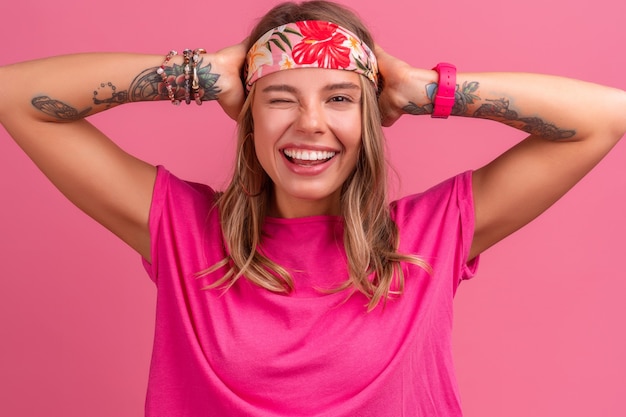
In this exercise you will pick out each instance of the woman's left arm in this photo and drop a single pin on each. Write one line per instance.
(572, 125)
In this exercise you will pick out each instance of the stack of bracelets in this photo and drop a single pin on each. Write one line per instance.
(192, 81)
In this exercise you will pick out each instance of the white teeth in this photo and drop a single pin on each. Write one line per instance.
(308, 155)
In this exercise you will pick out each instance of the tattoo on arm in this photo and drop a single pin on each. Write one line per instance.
(148, 85)
(115, 97)
(497, 110)
(463, 96)
(416, 110)
(57, 109)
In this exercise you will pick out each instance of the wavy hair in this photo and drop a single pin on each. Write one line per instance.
(370, 235)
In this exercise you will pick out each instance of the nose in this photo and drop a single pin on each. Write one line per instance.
(311, 118)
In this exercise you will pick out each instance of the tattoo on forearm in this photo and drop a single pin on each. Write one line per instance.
(57, 109)
(114, 97)
(499, 110)
(463, 96)
(416, 110)
(148, 85)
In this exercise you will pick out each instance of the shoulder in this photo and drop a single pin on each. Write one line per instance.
(183, 221)
(450, 195)
(169, 186)
(181, 202)
(438, 224)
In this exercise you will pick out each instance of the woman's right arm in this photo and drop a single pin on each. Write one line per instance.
(43, 104)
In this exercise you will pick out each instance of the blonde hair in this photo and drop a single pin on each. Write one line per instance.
(370, 235)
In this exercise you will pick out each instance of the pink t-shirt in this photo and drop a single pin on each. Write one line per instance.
(250, 352)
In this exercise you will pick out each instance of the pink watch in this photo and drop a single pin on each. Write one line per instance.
(444, 100)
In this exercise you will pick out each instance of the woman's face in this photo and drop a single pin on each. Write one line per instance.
(307, 136)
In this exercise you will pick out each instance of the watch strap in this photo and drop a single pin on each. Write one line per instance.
(444, 99)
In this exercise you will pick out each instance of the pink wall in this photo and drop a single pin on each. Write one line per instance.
(540, 331)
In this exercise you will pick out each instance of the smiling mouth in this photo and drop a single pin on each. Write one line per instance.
(307, 157)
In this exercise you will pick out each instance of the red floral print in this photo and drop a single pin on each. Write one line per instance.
(309, 44)
(321, 43)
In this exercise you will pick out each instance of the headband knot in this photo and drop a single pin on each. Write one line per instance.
(309, 44)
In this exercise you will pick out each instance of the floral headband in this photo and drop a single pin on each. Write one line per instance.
(309, 44)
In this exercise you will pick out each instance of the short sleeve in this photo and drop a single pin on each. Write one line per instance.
(184, 227)
(467, 222)
(438, 226)
(156, 208)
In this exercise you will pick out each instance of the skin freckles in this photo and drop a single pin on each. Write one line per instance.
(307, 133)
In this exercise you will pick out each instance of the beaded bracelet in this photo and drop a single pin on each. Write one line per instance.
(187, 70)
(195, 85)
(168, 85)
(190, 65)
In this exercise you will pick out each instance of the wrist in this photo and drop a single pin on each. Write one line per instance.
(444, 97)
(416, 93)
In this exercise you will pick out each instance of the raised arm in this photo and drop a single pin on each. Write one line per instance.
(572, 126)
(43, 104)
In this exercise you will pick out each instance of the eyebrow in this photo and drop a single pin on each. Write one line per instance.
(279, 88)
(343, 86)
(291, 89)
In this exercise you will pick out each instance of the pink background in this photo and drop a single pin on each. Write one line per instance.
(539, 332)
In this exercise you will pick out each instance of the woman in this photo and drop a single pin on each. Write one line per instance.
(299, 291)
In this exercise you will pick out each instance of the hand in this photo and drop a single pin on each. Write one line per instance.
(228, 62)
(395, 74)
(404, 89)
